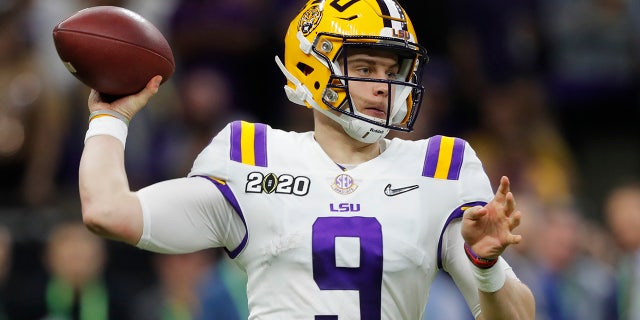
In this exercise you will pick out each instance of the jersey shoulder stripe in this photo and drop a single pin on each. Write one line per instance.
(248, 143)
(444, 157)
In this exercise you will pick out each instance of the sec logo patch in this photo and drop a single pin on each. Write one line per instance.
(344, 184)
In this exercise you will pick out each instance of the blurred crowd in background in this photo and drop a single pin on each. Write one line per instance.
(546, 91)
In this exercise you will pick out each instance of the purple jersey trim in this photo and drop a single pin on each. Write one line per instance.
(228, 194)
(236, 134)
(433, 159)
(456, 159)
(259, 143)
(456, 214)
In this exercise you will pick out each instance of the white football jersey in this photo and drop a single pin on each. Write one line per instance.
(322, 243)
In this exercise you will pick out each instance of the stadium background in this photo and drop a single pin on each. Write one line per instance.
(547, 92)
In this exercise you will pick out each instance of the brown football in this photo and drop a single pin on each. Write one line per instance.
(113, 50)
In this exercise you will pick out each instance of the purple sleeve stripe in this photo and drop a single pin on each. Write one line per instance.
(228, 194)
(456, 159)
(236, 146)
(443, 159)
(260, 145)
(456, 214)
(249, 143)
(431, 159)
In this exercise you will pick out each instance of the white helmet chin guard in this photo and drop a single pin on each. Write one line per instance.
(363, 131)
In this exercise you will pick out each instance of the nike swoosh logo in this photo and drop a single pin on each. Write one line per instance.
(394, 192)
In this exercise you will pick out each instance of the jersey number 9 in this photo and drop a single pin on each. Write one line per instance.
(366, 278)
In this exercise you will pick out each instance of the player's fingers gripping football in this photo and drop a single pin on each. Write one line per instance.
(129, 105)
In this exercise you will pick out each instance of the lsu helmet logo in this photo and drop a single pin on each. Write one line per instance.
(399, 33)
(309, 20)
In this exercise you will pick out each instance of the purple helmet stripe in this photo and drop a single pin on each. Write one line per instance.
(385, 12)
(391, 8)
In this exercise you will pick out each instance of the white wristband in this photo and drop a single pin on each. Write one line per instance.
(108, 126)
(491, 279)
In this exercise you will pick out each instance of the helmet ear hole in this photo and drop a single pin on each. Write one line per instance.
(304, 68)
(316, 85)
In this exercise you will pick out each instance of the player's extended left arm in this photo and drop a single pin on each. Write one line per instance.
(487, 233)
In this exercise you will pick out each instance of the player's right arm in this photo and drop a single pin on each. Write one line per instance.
(174, 216)
(109, 207)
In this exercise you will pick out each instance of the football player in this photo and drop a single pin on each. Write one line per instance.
(337, 223)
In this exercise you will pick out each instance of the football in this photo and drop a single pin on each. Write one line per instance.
(113, 50)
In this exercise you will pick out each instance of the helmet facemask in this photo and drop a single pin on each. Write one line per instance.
(403, 89)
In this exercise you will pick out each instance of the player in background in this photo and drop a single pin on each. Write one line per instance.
(338, 223)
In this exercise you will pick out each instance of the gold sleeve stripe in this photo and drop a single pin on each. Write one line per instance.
(247, 139)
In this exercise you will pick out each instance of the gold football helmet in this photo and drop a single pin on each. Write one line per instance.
(317, 43)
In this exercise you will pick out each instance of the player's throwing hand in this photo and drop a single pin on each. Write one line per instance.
(129, 105)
